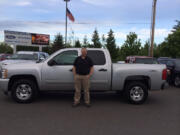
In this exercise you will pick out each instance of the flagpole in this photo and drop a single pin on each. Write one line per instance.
(66, 22)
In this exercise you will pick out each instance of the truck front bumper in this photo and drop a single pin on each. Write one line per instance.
(4, 85)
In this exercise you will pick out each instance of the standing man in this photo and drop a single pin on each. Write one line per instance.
(82, 70)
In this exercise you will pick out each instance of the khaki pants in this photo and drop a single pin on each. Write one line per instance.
(82, 80)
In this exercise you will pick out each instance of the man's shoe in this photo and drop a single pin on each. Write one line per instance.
(88, 105)
(75, 104)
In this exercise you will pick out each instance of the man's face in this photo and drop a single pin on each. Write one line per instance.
(83, 52)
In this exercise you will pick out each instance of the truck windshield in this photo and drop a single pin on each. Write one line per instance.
(24, 57)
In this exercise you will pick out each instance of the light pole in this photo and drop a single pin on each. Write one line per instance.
(66, 22)
(153, 27)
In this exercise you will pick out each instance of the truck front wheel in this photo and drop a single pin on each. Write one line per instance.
(24, 90)
(136, 92)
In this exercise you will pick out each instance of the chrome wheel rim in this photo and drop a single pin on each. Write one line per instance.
(23, 91)
(177, 81)
(136, 93)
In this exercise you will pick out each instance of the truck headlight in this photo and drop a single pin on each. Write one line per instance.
(4, 74)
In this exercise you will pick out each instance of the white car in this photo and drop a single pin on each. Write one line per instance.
(25, 57)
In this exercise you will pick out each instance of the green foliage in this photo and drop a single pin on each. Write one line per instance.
(145, 49)
(131, 46)
(27, 48)
(77, 44)
(111, 45)
(171, 46)
(48, 49)
(4, 48)
(96, 40)
(58, 43)
(85, 42)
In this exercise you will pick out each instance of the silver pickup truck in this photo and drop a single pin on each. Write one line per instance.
(25, 81)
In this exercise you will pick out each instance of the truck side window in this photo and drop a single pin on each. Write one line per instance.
(66, 57)
(97, 57)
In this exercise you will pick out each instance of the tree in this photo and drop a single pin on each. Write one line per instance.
(144, 51)
(103, 40)
(4, 48)
(171, 46)
(85, 42)
(58, 43)
(111, 45)
(131, 46)
(96, 39)
(77, 44)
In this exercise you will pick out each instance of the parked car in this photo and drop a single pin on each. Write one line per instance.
(163, 60)
(25, 81)
(173, 65)
(141, 60)
(4, 56)
(25, 57)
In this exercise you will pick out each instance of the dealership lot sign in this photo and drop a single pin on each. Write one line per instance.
(26, 39)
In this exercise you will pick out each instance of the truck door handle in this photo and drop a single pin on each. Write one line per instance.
(103, 70)
(70, 70)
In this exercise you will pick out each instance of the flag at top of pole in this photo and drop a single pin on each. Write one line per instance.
(70, 16)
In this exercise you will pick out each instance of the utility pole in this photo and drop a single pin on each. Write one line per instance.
(66, 21)
(153, 18)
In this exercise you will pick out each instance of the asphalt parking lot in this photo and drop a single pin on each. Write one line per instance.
(110, 114)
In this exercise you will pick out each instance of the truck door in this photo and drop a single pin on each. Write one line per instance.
(59, 76)
(101, 78)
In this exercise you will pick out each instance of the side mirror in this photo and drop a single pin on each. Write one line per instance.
(41, 59)
(52, 62)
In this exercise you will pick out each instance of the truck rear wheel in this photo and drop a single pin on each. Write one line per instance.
(177, 81)
(136, 92)
(24, 90)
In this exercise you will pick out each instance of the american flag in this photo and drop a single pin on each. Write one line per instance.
(70, 16)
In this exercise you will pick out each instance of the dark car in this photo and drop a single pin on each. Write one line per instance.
(141, 60)
(4, 56)
(173, 65)
(163, 60)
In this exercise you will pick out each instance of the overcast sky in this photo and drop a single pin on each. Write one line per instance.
(122, 16)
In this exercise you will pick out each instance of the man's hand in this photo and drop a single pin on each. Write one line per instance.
(88, 76)
(91, 72)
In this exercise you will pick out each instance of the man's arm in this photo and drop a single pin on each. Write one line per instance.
(74, 70)
(91, 72)
(74, 66)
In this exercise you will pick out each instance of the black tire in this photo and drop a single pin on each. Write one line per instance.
(132, 96)
(27, 84)
(177, 81)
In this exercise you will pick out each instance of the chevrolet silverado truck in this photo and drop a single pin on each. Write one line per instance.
(54, 74)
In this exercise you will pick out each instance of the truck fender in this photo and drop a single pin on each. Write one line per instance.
(145, 79)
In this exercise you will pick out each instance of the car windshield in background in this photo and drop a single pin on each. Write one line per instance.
(178, 63)
(163, 61)
(24, 57)
(145, 61)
